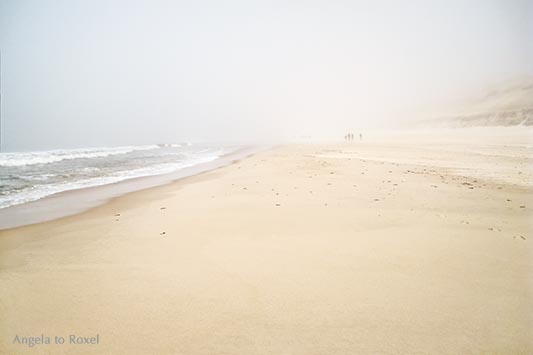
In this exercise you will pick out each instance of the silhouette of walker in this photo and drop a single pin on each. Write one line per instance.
(350, 137)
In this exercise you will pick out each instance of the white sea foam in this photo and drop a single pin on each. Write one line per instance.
(42, 190)
(52, 156)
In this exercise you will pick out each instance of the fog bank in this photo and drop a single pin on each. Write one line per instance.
(100, 73)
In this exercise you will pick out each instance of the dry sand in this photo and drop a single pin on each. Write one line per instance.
(346, 249)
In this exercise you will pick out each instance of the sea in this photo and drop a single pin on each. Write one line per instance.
(30, 176)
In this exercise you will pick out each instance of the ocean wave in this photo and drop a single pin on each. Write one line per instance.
(40, 191)
(53, 156)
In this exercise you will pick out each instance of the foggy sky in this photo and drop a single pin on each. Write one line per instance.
(99, 73)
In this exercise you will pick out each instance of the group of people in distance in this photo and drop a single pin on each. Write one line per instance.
(350, 137)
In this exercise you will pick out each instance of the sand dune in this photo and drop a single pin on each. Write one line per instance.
(510, 104)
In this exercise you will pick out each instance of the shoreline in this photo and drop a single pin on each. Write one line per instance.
(76, 201)
(79, 200)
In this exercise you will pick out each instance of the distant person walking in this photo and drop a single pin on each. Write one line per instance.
(360, 136)
(349, 137)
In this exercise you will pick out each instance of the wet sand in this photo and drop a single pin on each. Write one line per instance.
(75, 201)
(302, 249)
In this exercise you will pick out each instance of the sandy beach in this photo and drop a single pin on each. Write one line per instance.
(302, 249)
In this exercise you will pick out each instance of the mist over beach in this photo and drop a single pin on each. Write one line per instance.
(250, 177)
(105, 73)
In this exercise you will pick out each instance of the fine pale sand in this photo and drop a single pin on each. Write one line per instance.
(341, 249)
